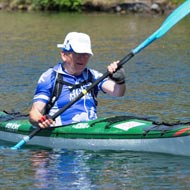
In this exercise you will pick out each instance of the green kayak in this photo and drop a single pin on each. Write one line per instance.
(113, 133)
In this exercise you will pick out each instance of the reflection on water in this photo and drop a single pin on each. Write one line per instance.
(82, 170)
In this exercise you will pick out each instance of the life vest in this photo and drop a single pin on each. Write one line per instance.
(58, 85)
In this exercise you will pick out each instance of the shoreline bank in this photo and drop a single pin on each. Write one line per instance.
(113, 6)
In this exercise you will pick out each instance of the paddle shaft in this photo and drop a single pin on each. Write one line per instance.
(26, 139)
(173, 18)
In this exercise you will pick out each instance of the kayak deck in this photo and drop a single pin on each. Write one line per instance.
(117, 127)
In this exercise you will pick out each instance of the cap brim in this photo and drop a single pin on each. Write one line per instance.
(59, 45)
(76, 50)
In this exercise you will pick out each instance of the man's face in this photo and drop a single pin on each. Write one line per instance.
(76, 61)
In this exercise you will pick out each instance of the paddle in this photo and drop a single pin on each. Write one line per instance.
(171, 20)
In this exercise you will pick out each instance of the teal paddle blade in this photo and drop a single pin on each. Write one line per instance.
(179, 13)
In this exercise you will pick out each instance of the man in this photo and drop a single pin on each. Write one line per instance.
(75, 77)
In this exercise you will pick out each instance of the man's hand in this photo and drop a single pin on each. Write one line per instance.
(116, 75)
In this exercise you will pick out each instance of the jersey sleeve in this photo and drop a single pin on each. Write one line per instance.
(97, 75)
(44, 87)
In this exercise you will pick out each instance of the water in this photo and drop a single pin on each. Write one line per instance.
(157, 87)
(84, 170)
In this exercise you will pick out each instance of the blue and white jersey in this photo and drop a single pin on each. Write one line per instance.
(82, 110)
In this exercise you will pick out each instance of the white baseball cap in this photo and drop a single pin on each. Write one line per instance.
(77, 42)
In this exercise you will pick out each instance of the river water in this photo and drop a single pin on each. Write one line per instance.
(158, 87)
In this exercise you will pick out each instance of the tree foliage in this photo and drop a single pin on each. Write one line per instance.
(72, 5)
(67, 5)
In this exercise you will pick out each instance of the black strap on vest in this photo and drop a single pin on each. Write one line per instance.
(56, 92)
(59, 85)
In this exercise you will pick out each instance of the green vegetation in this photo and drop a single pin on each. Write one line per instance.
(65, 5)
(72, 5)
